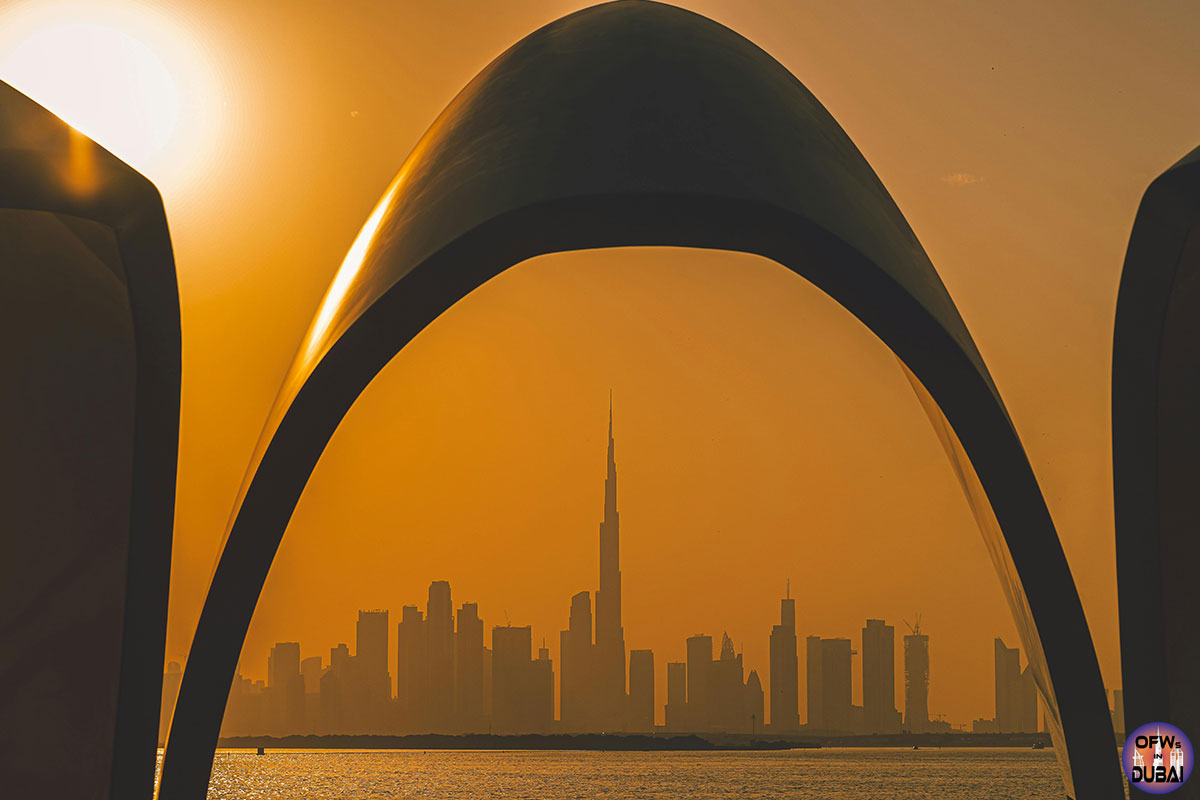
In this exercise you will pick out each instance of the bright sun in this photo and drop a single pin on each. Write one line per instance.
(128, 80)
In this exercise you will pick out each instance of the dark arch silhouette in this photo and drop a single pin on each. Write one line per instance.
(1156, 442)
(633, 123)
(89, 310)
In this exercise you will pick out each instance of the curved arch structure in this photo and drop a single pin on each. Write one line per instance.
(89, 395)
(633, 123)
(1156, 439)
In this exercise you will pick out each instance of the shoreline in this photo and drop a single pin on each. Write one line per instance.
(644, 742)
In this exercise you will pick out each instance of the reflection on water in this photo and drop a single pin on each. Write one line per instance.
(880, 774)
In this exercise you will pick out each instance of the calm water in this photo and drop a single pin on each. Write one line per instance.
(828, 774)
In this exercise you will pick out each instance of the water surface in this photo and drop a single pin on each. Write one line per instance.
(828, 774)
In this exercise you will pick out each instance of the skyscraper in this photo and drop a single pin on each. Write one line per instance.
(511, 650)
(727, 689)
(610, 635)
(835, 684)
(285, 707)
(879, 677)
(412, 677)
(371, 665)
(785, 670)
(522, 689)
(577, 698)
(1016, 691)
(541, 692)
(439, 630)
(699, 681)
(676, 709)
(1007, 672)
(916, 681)
(754, 701)
(468, 669)
(641, 690)
(812, 695)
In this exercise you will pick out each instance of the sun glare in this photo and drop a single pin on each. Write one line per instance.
(130, 81)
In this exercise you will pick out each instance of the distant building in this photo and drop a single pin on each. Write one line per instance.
(412, 671)
(984, 726)
(468, 670)
(675, 713)
(754, 701)
(785, 670)
(1016, 691)
(373, 684)
(641, 690)
(699, 682)
(285, 689)
(439, 630)
(336, 690)
(836, 671)
(577, 679)
(812, 659)
(310, 670)
(609, 661)
(541, 692)
(245, 711)
(879, 678)
(916, 681)
(829, 684)
(522, 689)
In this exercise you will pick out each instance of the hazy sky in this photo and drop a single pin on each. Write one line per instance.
(1017, 138)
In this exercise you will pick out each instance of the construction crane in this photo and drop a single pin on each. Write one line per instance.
(915, 630)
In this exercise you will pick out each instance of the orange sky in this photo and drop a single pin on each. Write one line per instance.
(1017, 140)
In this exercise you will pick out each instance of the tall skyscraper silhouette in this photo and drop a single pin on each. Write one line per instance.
(468, 669)
(285, 708)
(785, 670)
(829, 676)
(879, 677)
(439, 628)
(699, 681)
(610, 635)
(812, 695)
(916, 681)
(576, 680)
(1016, 692)
(1007, 662)
(412, 676)
(641, 690)
(676, 708)
(836, 671)
(374, 688)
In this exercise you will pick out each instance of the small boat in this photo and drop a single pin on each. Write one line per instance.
(915, 747)
(1039, 746)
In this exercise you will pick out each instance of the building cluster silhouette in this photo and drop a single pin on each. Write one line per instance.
(449, 681)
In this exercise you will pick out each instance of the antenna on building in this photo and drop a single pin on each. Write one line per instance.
(507, 624)
(788, 594)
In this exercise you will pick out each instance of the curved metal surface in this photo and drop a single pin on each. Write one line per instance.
(88, 462)
(631, 123)
(1156, 439)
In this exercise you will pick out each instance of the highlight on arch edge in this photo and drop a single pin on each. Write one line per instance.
(634, 400)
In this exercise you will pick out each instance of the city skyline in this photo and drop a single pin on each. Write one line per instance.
(441, 679)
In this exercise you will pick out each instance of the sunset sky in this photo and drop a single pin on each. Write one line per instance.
(763, 434)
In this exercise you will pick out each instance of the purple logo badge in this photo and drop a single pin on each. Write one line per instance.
(1157, 758)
